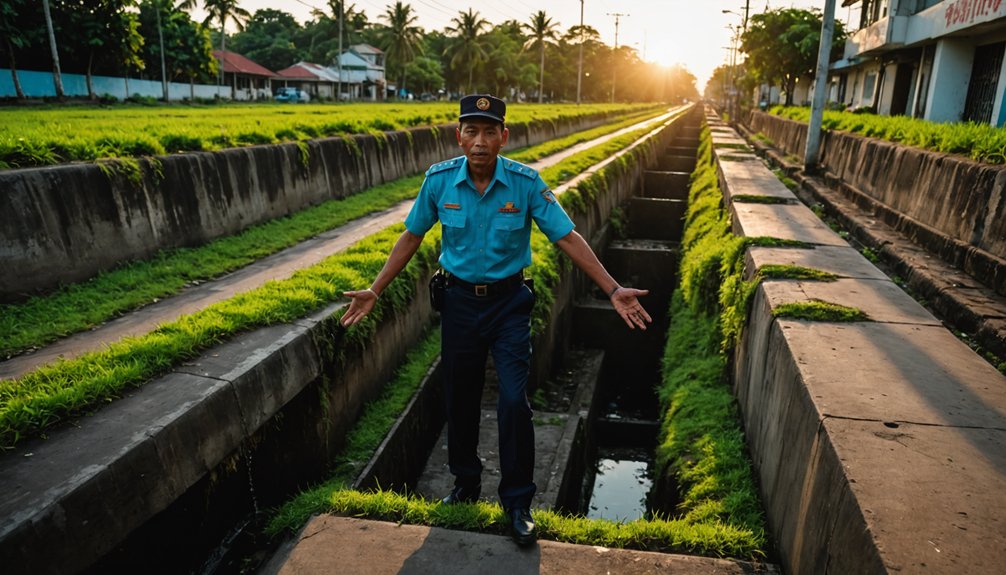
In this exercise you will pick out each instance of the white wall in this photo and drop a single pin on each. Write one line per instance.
(40, 85)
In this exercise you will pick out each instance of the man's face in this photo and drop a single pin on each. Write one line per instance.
(481, 141)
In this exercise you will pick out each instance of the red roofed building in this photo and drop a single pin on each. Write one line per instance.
(247, 80)
(314, 79)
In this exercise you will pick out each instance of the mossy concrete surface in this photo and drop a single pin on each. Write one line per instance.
(880, 445)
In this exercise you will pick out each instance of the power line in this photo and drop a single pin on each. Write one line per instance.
(614, 69)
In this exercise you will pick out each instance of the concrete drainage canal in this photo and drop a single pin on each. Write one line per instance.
(597, 421)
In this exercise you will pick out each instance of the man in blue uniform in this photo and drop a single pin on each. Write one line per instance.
(485, 204)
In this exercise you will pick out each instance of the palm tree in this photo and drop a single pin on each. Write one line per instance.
(401, 38)
(220, 11)
(469, 49)
(541, 28)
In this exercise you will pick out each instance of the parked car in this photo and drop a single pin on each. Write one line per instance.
(292, 95)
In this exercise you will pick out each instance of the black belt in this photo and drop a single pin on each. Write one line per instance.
(499, 287)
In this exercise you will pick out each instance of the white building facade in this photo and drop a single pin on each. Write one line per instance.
(941, 60)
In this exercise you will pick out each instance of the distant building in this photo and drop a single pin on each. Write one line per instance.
(362, 68)
(315, 79)
(243, 78)
(932, 59)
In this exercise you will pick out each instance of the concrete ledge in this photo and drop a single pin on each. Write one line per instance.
(880, 446)
(381, 548)
(669, 185)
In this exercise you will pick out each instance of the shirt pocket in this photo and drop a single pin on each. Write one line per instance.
(453, 224)
(508, 230)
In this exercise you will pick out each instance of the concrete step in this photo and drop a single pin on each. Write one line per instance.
(686, 151)
(669, 163)
(596, 325)
(645, 264)
(686, 142)
(667, 185)
(656, 218)
(332, 544)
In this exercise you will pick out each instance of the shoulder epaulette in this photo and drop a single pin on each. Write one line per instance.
(443, 166)
(519, 168)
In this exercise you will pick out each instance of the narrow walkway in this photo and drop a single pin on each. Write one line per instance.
(278, 266)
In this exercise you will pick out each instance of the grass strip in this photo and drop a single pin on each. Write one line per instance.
(50, 135)
(68, 388)
(650, 535)
(791, 272)
(755, 199)
(819, 311)
(702, 448)
(980, 142)
(43, 319)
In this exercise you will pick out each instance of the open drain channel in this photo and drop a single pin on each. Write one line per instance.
(596, 436)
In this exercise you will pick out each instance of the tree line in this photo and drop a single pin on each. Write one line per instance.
(159, 39)
(781, 48)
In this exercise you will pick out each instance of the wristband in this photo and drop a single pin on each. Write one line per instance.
(615, 289)
(377, 295)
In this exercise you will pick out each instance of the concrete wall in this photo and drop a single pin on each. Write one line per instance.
(952, 206)
(40, 85)
(64, 224)
(880, 445)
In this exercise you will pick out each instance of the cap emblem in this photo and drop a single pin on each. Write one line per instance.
(482, 104)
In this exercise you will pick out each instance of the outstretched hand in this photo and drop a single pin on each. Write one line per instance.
(627, 306)
(363, 302)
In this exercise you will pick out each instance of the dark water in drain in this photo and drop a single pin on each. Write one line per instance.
(621, 485)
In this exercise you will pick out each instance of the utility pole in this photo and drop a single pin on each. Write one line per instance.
(57, 76)
(820, 88)
(160, 48)
(614, 69)
(338, 93)
(579, 67)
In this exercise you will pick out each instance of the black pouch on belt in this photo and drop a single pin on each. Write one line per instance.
(438, 284)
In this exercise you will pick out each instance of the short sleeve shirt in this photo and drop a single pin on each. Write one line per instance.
(486, 238)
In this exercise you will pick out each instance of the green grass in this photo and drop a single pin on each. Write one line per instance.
(70, 388)
(791, 272)
(652, 535)
(819, 311)
(43, 319)
(980, 142)
(702, 447)
(55, 134)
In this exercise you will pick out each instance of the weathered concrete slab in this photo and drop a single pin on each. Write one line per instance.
(750, 179)
(841, 261)
(882, 301)
(876, 444)
(788, 222)
(331, 544)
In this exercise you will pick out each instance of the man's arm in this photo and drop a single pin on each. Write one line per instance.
(364, 300)
(624, 299)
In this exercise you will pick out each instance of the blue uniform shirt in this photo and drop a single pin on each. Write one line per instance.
(486, 238)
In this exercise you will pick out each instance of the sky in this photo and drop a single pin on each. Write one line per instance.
(694, 33)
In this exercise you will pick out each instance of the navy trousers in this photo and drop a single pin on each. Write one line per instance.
(472, 327)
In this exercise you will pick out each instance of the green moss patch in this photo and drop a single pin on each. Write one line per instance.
(785, 271)
(819, 311)
(753, 199)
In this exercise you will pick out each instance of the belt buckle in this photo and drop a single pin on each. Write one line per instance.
(482, 290)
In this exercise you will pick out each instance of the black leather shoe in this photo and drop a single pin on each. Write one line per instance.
(522, 526)
(463, 495)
